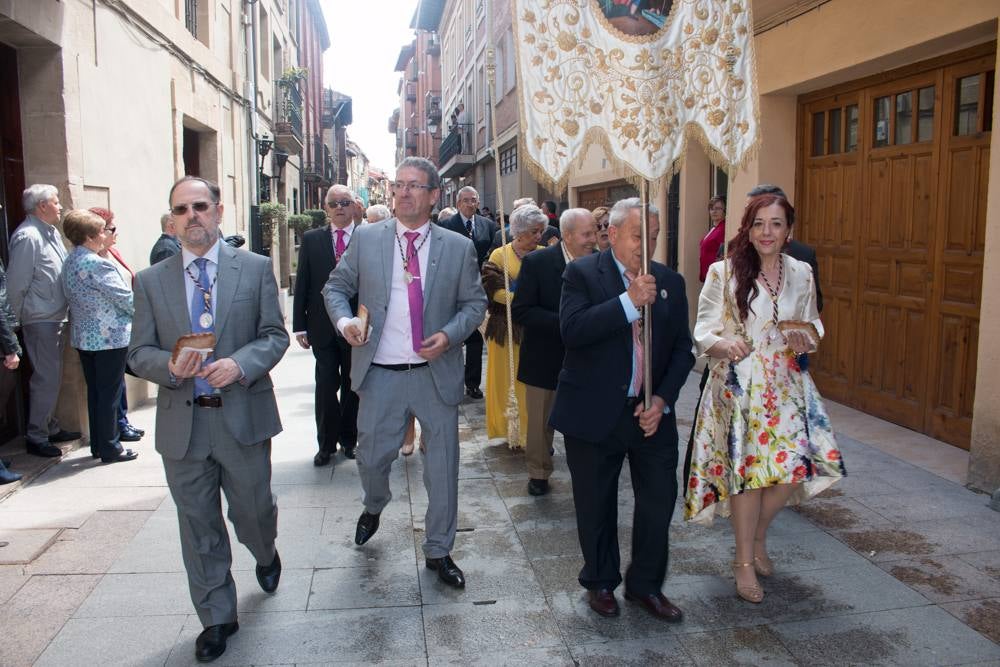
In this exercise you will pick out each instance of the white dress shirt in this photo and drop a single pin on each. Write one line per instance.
(395, 346)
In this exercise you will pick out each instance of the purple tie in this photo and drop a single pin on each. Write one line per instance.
(339, 248)
(415, 291)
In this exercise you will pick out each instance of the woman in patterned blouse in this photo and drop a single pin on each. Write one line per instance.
(100, 314)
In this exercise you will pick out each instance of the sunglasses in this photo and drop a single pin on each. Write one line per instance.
(602, 225)
(197, 207)
(339, 203)
(111, 230)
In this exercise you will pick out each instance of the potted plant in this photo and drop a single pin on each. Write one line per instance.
(272, 215)
(316, 216)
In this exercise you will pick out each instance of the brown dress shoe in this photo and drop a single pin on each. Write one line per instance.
(657, 605)
(603, 602)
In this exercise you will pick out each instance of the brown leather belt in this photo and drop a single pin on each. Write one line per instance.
(400, 367)
(208, 401)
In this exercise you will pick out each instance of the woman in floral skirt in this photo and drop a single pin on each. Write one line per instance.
(762, 436)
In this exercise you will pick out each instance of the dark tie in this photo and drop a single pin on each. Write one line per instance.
(199, 306)
(468, 228)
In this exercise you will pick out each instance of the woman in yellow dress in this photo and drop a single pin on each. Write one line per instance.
(526, 225)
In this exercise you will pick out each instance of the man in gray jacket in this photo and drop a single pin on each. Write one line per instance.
(421, 286)
(35, 293)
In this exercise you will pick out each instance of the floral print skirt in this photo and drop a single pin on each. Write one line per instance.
(765, 428)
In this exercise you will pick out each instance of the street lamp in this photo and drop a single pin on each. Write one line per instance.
(263, 148)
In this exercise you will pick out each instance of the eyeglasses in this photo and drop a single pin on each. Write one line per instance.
(111, 230)
(602, 225)
(339, 203)
(198, 207)
(410, 186)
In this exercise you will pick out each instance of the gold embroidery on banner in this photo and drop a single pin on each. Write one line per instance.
(639, 97)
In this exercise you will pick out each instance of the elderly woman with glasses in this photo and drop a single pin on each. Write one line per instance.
(526, 226)
(101, 309)
(127, 432)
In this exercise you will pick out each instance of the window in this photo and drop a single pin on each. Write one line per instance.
(508, 160)
(196, 19)
(818, 133)
(852, 128)
(904, 117)
(925, 114)
(836, 131)
(264, 42)
(974, 104)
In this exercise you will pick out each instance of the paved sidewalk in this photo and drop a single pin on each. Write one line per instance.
(895, 565)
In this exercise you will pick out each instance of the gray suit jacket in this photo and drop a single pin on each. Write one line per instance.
(454, 300)
(34, 273)
(249, 328)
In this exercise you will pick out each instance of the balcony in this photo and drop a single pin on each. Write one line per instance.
(456, 155)
(434, 44)
(411, 140)
(412, 71)
(432, 103)
(411, 91)
(288, 119)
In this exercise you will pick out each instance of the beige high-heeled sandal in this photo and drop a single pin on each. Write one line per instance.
(749, 592)
(763, 566)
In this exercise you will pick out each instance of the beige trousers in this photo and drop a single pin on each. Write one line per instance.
(538, 445)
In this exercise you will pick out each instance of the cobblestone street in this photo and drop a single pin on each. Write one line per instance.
(894, 565)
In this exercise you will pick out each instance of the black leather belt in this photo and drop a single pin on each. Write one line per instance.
(208, 401)
(400, 367)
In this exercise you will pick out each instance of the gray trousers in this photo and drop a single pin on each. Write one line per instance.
(44, 343)
(215, 460)
(388, 398)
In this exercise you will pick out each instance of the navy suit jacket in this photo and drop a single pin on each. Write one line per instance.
(597, 368)
(482, 233)
(536, 309)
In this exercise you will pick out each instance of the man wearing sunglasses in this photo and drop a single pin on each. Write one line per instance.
(215, 417)
(321, 250)
(420, 284)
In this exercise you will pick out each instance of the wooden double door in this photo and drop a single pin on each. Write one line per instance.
(892, 183)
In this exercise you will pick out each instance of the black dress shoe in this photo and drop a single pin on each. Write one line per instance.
(348, 451)
(538, 487)
(65, 436)
(367, 525)
(658, 605)
(8, 476)
(474, 392)
(140, 431)
(268, 576)
(321, 459)
(211, 643)
(43, 449)
(603, 602)
(447, 571)
(129, 434)
(123, 455)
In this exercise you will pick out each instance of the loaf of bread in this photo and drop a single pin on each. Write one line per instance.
(364, 317)
(203, 343)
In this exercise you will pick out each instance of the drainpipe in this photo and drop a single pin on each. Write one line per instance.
(250, 30)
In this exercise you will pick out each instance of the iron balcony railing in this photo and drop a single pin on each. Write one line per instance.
(458, 142)
(291, 109)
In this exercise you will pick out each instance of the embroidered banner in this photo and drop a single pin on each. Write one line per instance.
(639, 77)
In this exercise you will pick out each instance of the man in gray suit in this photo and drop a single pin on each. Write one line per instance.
(420, 284)
(214, 418)
(34, 288)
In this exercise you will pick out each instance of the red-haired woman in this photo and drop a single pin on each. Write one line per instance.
(762, 436)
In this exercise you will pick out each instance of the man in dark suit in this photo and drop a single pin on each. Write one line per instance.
(536, 309)
(599, 408)
(480, 230)
(321, 249)
(167, 245)
(215, 417)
